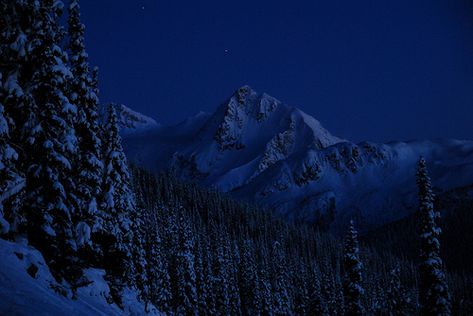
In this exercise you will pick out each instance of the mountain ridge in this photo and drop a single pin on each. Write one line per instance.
(257, 148)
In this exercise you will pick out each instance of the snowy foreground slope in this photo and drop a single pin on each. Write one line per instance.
(260, 149)
(26, 288)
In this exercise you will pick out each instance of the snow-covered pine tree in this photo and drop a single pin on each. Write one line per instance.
(158, 271)
(220, 272)
(201, 278)
(353, 289)
(434, 295)
(49, 203)
(301, 295)
(330, 293)
(89, 167)
(376, 300)
(316, 305)
(249, 283)
(282, 301)
(16, 46)
(142, 222)
(266, 308)
(115, 234)
(211, 281)
(8, 156)
(10, 181)
(138, 251)
(232, 268)
(185, 293)
(396, 297)
(339, 299)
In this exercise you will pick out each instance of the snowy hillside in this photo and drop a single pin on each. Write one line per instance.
(28, 288)
(260, 149)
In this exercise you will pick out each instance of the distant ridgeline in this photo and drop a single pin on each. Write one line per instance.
(67, 190)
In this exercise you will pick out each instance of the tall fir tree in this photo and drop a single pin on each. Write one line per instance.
(330, 293)
(19, 31)
(115, 234)
(282, 301)
(138, 252)
(211, 280)
(353, 288)
(89, 166)
(316, 305)
(158, 270)
(18, 45)
(249, 283)
(201, 277)
(301, 295)
(185, 292)
(50, 203)
(266, 307)
(434, 294)
(220, 272)
(396, 297)
(233, 259)
(10, 180)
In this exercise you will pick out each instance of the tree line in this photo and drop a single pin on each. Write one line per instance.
(243, 260)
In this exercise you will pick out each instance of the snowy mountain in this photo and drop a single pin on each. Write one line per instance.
(132, 122)
(257, 148)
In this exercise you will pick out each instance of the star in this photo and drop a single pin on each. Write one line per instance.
(142, 7)
(227, 51)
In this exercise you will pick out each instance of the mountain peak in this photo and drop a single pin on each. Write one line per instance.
(248, 116)
(132, 122)
(258, 148)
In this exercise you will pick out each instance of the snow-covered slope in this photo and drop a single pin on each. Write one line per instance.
(260, 149)
(132, 122)
(27, 288)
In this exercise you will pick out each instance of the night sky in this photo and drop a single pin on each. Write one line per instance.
(375, 70)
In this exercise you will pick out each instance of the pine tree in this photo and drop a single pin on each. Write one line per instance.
(10, 181)
(138, 252)
(158, 271)
(233, 259)
(301, 295)
(88, 170)
(115, 234)
(249, 283)
(50, 203)
(9, 176)
(220, 272)
(376, 301)
(211, 281)
(330, 294)
(185, 293)
(353, 289)
(434, 295)
(397, 299)
(316, 305)
(201, 277)
(17, 46)
(266, 308)
(282, 303)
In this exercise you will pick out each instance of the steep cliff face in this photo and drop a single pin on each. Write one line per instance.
(258, 148)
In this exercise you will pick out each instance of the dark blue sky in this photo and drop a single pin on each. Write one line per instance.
(377, 70)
